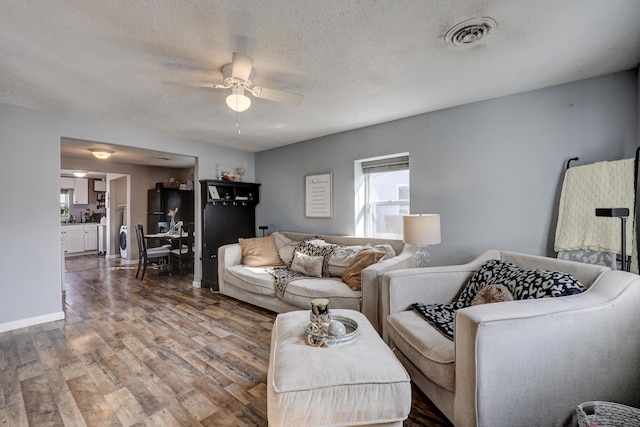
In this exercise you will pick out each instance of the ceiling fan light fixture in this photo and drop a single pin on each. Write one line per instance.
(238, 101)
(100, 153)
(79, 174)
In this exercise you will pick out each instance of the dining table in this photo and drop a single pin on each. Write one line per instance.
(170, 238)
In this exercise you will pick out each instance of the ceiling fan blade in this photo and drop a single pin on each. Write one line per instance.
(241, 66)
(277, 95)
(195, 84)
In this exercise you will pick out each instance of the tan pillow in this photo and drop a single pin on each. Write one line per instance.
(340, 259)
(259, 251)
(492, 293)
(307, 264)
(363, 259)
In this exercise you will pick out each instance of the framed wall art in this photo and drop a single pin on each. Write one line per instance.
(318, 194)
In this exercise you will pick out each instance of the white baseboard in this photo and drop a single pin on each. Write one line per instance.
(31, 321)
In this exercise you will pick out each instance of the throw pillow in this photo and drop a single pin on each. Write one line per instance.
(317, 246)
(492, 293)
(384, 247)
(307, 264)
(341, 258)
(259, 251)
(353, 273)
(285, 246)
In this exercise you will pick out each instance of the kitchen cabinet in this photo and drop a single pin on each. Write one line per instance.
(91, 237)
(81, 191)
(78, 238)
(73, 236)
(67, 183)
(228, 212)
(99, 186)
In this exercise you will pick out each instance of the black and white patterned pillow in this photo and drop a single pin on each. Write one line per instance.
(317, 246)
(522, 283)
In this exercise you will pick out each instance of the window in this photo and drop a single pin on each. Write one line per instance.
(382, 196)
(64, 204)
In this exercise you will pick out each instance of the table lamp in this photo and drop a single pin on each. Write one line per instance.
(421, 230)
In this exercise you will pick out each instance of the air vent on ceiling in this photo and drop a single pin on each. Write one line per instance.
(469, 31)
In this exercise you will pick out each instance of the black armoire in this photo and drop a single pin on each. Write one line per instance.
(228, 212)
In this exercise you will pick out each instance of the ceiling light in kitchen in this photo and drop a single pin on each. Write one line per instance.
(101, 153)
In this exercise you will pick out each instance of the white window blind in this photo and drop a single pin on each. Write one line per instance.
(386, 165)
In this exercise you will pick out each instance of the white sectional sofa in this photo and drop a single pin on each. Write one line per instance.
(527, 362)
(257, 286)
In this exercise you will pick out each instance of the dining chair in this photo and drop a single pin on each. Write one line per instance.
(159, 256)
(183, 255)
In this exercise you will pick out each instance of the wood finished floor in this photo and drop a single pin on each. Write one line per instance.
(151, 353)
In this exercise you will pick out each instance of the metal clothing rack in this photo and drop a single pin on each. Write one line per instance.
(622, 213)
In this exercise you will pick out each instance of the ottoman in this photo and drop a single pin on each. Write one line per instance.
(359, 383)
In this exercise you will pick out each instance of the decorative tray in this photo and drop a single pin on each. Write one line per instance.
(321, 338)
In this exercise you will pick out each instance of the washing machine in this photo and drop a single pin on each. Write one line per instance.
(124, 231)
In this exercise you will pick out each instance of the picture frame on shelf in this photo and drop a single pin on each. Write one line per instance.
(213, 192)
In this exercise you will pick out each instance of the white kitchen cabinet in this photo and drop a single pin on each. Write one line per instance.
(91, 237)
(73, 236)
(67, 183)
(99, 186)
(81, 191)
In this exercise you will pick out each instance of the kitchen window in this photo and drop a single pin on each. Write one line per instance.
(64, 204)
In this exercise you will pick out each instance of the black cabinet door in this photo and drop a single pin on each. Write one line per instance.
(242, 221)
(214, 227)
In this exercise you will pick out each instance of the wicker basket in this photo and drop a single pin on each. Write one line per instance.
(607, 414)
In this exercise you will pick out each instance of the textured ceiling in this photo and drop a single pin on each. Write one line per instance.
(357, 63)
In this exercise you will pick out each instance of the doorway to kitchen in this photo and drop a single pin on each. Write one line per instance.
(128, 174)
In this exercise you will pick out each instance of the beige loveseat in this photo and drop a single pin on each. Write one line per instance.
(256, 286)
(518, 363)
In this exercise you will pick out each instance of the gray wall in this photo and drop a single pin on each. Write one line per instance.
(492, 169)
(30, 174)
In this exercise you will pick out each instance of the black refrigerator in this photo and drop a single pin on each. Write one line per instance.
(161, 200)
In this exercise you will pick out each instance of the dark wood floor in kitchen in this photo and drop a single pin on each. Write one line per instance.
(152, 353)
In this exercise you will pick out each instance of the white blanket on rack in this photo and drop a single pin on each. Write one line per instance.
(585, 188)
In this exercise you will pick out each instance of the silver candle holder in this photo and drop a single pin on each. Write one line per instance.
(320, 311)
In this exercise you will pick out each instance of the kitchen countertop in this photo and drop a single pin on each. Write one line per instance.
(78, 223)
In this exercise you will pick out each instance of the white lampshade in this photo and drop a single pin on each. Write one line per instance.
(421, 229)
(238, 101)
(100, 153)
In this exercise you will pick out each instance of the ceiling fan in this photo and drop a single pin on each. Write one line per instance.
(238, 76)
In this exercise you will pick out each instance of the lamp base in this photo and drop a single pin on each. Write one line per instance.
(421, 258)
